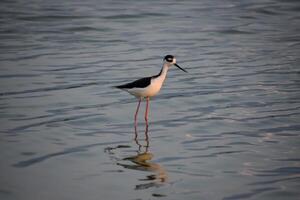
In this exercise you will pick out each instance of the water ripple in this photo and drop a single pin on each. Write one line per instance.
(63, 119)
(36, 160)
(47, 89)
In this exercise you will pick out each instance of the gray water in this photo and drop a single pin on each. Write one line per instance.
(229, 129)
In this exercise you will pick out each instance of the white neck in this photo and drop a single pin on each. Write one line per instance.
(158, 80)
(163, 72)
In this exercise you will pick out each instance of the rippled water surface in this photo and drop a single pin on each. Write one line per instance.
(229, 129)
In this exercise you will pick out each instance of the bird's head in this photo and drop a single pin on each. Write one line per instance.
(170, 60)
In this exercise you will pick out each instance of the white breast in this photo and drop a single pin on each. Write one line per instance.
(153, 88)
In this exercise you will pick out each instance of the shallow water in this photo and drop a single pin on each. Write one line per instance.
(227, 130)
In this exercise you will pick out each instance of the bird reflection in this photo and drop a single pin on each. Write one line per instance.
(141, 162)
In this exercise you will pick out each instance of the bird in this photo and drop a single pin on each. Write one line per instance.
(149, 86)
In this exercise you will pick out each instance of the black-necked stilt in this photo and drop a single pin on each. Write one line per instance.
(149, 86)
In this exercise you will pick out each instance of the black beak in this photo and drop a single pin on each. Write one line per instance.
(180, 68)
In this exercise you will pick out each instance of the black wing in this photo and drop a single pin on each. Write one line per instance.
(141, 83)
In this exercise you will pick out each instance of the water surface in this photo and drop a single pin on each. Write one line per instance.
(227, 130)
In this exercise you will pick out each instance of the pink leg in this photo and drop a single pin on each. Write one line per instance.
(147, 111)
(135, 131)
(147, 138)
(136, 113)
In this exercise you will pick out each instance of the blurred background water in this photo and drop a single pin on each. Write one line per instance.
(227, 130)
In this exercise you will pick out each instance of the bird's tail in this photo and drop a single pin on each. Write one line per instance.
(118, 87)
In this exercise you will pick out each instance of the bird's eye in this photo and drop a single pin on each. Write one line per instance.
(169, 58)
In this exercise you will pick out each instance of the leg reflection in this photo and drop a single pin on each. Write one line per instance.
(146, 138)
(142, 162)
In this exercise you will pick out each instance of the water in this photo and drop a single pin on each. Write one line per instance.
(227, 130)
